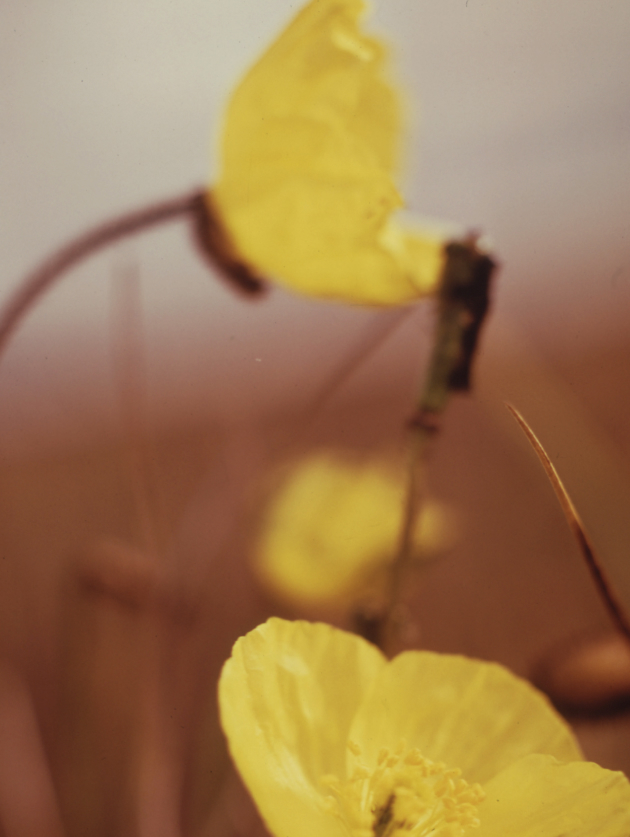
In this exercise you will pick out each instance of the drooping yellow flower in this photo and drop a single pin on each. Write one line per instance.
(308, 155)
(333, 740)
(332, 528)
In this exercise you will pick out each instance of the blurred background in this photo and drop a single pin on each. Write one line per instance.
(519, 125)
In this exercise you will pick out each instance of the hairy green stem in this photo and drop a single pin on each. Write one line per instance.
(462, 306)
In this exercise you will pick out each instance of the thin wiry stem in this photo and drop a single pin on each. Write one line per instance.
(380, 328)
(594, 564)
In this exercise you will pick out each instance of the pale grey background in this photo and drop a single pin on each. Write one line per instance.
(519, 124)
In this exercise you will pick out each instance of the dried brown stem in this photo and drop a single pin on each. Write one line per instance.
(594, 564)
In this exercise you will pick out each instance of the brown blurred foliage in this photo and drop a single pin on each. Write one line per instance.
(111, 651)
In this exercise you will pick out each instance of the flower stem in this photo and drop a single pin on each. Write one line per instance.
(463, 302)
(211, 238)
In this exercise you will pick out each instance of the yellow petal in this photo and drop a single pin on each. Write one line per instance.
(309, 148)
(539, 797)
(287, 697)
(472, 715)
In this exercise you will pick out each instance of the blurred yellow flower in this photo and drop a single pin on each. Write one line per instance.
(332, 527)
(333, 740)
(308, 155)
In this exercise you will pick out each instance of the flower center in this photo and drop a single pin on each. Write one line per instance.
(404, 793)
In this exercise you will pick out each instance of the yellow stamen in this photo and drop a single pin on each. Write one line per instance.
(405, 792)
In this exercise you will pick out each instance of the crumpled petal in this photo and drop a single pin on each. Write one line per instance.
(308, 153)
(287, 696)
(539, 797)
(472, 715)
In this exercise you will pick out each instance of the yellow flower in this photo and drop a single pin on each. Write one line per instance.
(308, 154)
(333, 740)
(331, 530)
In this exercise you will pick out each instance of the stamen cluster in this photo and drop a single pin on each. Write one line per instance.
(405, 792)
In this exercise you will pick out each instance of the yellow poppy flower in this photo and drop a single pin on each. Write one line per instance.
(332, 527)
(308, 154)
(333, 740)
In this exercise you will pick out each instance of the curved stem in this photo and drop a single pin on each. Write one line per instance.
(40, 280)
(209, 233)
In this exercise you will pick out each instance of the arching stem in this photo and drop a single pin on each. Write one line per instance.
(210, 235)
